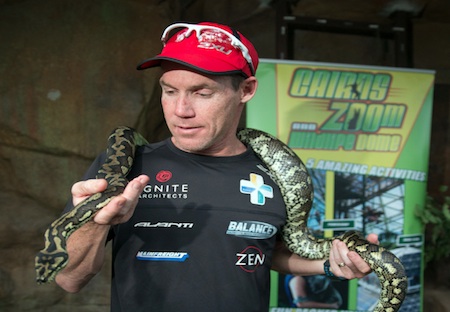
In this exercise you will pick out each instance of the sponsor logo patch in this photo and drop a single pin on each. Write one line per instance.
(175, 256)
(250, 259)
(179, 225)
(251, 229)
(256, 188)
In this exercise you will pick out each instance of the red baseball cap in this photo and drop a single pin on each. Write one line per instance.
(208, 48)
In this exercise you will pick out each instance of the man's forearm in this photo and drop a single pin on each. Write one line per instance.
(86, 250)
(286, 262)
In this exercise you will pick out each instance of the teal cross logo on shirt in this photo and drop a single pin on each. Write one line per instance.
(257, 189)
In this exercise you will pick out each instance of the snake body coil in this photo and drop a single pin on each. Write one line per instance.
(119, 160)
(296, 187)
(295, 184)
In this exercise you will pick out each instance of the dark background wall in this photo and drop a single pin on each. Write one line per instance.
(68, 77)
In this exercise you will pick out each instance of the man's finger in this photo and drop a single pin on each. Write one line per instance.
(121, 208)
(359, 263)
(373, 238)
(135, 187)
(88, 187)
(114, 210)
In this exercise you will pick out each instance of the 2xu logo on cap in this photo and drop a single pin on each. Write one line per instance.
(251, 229)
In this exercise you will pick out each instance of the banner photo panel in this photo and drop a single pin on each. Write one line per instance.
(363, 132)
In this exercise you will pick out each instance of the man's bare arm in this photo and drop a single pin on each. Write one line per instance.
(286, 262)
(86, 246)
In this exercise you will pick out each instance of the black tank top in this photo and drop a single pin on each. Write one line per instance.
(201, 237)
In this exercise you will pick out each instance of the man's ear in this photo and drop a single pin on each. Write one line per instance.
(248, 88)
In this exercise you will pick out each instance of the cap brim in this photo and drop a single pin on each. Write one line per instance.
(148, 63)
(156, 61)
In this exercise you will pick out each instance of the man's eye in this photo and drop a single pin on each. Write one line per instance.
(204, 93)
(169, 92)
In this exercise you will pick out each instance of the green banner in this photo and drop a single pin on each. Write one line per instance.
(363, 132)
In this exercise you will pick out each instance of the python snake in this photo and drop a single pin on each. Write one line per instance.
(296, 187)
(53, 258)
(295, 184)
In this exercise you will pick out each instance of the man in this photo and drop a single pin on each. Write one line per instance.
(187, 234)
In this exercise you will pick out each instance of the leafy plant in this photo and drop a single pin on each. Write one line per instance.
(436, 217)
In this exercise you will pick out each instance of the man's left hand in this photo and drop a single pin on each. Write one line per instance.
(349, 264)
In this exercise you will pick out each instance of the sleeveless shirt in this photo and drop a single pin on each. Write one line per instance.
(202, 235)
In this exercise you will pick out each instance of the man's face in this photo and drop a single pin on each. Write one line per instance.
(202, 112)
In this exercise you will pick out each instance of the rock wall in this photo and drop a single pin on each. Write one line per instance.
(68, 78)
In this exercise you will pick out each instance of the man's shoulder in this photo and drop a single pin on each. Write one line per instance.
(152, 147)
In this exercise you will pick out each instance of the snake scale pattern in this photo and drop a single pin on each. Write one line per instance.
(53, 258)
(295, 184)
(296, 187)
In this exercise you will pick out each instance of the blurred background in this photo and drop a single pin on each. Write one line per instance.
(68, 77)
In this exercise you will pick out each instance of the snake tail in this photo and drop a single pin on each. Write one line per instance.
(120, 153)
(295, 184)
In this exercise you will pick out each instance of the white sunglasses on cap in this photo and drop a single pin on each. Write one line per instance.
(235, 42)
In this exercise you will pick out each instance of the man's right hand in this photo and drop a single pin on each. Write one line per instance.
(86, 246)
(121, 207)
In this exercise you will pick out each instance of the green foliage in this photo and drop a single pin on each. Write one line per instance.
(436, 217)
